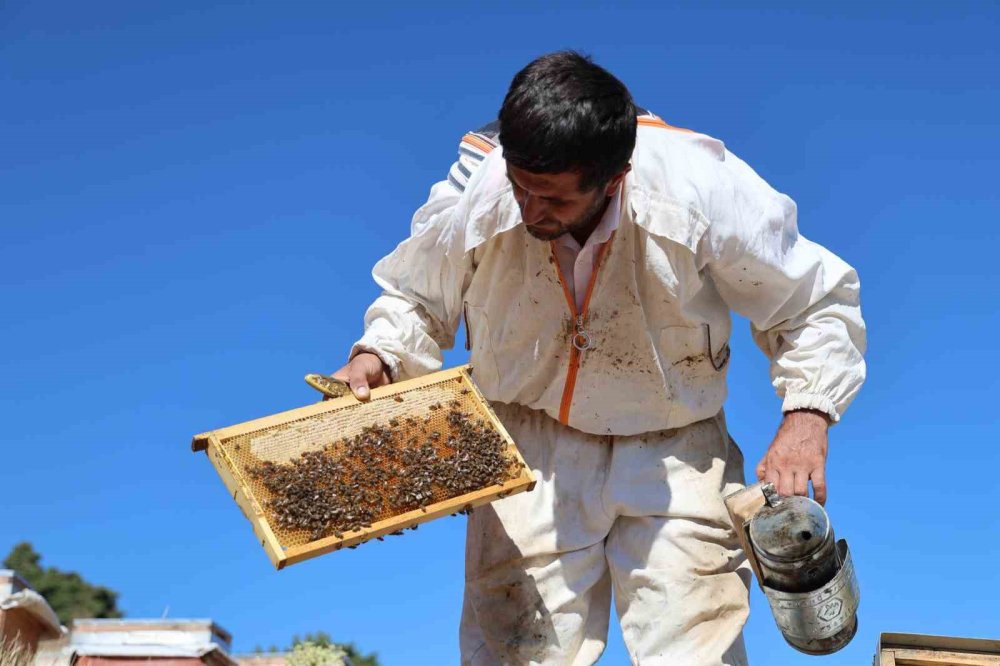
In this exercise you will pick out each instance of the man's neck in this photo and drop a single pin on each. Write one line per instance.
(583, 233)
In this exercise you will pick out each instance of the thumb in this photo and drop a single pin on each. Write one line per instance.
(357, 376)
(761, 470)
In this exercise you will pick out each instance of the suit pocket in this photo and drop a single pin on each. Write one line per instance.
(690, 352)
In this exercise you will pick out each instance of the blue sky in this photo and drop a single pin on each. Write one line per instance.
(192, 196)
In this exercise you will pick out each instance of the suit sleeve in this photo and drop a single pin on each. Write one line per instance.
(423, 281)
(802, 300)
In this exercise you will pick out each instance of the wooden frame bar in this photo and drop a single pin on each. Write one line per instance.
(251, 510)
(910, 657)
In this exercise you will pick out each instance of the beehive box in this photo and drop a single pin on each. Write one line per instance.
(407, 456)
(923, 650)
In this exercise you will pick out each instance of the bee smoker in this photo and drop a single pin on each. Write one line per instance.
(807, 576)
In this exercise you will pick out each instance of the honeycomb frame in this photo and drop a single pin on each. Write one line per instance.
(234, 450)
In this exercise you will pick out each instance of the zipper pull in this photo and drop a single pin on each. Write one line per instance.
(581, 340)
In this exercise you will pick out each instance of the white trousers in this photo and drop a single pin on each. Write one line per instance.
(642, 515)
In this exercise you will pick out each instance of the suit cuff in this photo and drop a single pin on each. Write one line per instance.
(820, 403)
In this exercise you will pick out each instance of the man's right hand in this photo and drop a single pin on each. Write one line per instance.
(365, 372)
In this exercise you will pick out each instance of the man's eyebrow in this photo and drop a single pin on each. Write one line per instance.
(516, 184)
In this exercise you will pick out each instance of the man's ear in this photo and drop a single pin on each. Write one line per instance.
(616, 181)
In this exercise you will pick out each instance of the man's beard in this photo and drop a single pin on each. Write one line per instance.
(546, 235)
(589, 219)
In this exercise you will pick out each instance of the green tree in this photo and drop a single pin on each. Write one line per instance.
(323, 640)
(310, 654)
(66, 591)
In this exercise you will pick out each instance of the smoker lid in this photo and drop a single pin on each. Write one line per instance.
(794, 529)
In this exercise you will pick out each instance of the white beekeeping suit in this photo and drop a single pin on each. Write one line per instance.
(616, 398)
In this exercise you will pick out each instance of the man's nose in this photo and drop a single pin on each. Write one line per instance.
(532, 210)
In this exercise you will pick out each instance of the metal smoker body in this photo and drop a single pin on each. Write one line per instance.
(807, 576)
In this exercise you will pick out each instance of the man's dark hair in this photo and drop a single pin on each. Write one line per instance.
(564, 113)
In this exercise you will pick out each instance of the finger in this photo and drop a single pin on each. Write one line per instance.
(358, 379)
(786, 483)
(819, 485)
(772, 476)
(375, 370)
(761, 470)
(342, 374)
(801, 484)
(377, 375)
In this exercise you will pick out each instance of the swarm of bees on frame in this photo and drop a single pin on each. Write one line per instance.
(385, 470)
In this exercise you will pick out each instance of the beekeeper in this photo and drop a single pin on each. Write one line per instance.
(595, 253)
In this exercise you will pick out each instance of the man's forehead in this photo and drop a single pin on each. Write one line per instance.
(564, 183)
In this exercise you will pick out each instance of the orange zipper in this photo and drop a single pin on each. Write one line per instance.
(580, 319)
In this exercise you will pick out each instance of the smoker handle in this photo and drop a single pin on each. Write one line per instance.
(329, 386)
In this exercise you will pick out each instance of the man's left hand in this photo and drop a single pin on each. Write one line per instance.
(798, 455)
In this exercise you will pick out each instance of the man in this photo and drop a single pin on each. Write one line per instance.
(595, 255)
